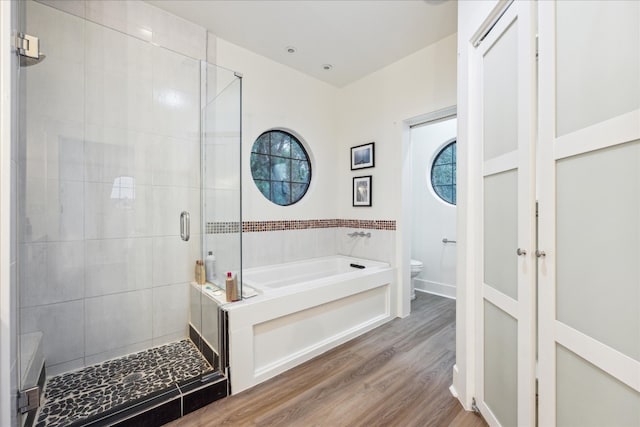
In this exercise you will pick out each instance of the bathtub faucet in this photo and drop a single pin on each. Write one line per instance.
(359, 234)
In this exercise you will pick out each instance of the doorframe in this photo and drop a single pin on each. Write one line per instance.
(406, 202)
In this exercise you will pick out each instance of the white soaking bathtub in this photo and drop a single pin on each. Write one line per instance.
(303, 309)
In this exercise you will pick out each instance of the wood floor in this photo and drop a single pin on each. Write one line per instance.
(396, 375)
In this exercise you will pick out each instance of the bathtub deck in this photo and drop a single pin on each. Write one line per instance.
(396, 374)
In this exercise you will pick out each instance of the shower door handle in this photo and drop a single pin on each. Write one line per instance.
(185, 226)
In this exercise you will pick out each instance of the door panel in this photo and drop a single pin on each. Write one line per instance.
(501, 364)
(597, 278)
(501, 231)
(505, 63)
(593, 53)
(581, 387)
(589, 187)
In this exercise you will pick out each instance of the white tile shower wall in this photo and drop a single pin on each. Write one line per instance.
(113, 321)
(62, 327)
(170, 309)
(141, 20)
(110, 159)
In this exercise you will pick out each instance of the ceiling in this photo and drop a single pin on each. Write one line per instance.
(355, 37)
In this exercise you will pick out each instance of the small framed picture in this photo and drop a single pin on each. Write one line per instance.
(362, 156)
(362, 190)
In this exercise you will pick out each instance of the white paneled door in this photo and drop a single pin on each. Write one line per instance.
(589, 187)
(505, 311)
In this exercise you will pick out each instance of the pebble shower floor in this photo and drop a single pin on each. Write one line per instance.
(75, 396)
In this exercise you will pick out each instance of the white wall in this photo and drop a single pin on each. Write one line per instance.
(432, 218)
(471, 15)
(276, 96)
(376, 108)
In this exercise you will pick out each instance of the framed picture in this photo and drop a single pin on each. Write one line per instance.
(362, 156)
(362, 190)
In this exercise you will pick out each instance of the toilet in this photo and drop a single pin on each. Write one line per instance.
(416, 268)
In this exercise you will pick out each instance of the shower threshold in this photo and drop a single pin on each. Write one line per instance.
(151, 387)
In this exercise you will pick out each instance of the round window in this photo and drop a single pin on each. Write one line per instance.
(280, 167)
(443, 173)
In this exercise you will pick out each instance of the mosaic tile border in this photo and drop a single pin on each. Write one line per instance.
(304, 224)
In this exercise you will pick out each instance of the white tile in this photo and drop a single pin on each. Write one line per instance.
(262, 248)
(119, 320)
(170, 338)
(212, 48)
(222, 205)
(222, 166)
(62, 326)
(53, 210)
(117, 265)
(131, 17)
(74, 7)
(111, 153)
(52, 148)
(118, 210)
(118, 80)
(61, 368)
(299, 244)
(176, 162)
(379, 247)
(62, 31)
(176, 95)
(195, 310)
(179, 34)
(174, 259)
(170, 309)
(65, 205)
(168, 203)
(226, 249)
(117, 352)
(51, 272)
(326, 242)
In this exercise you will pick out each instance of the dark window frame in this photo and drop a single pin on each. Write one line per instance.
(290, 158)
(452, 184)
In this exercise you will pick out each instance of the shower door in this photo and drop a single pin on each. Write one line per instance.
(111, 152)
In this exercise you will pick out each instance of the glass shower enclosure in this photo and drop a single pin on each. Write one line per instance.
(118, 139)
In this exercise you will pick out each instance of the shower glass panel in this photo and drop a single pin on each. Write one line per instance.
(115, 136)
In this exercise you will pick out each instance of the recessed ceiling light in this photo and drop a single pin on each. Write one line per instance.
(291, 49)
(327, 67)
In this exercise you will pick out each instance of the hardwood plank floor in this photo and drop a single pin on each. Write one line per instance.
(395, 375)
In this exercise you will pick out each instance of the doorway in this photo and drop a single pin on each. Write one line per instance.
(433, 211)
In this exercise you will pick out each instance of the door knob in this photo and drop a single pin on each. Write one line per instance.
(540, 254)
(521, 252)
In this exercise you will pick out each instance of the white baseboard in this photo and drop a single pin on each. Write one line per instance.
(435, 288)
